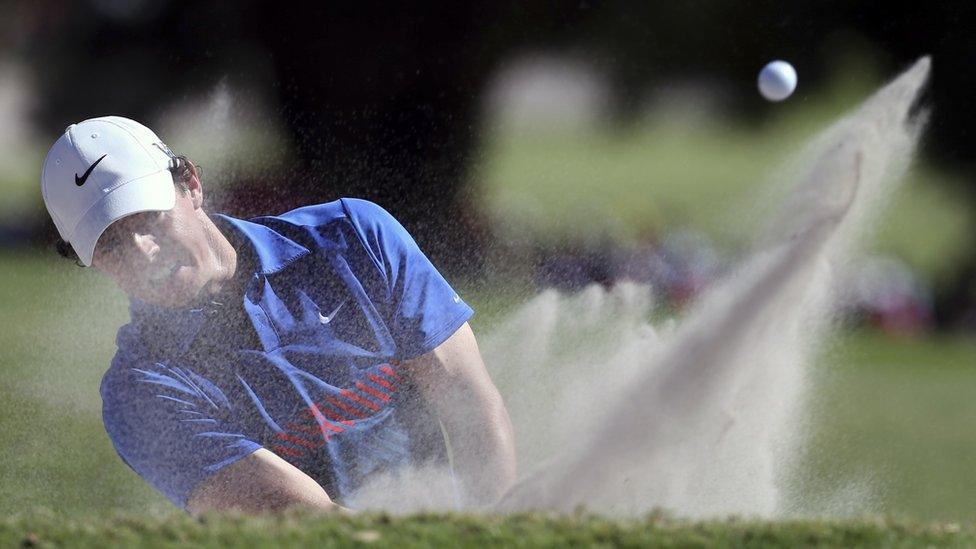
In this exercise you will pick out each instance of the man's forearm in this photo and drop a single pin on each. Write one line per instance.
(453, 379)
(484, 454)
(261, 482)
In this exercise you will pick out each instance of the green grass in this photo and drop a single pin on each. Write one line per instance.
(298, 530)
(894, 421)
(58, 333)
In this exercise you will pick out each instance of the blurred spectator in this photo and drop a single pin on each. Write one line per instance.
(678, 268)
(574, 269)
(683, 265)
(881, 291)
(884, 292)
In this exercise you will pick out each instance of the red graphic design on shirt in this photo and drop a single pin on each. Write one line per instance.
(318, 423)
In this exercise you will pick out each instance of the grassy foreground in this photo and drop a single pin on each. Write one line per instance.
(430, 530)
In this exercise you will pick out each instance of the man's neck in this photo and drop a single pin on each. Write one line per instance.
(229, 277)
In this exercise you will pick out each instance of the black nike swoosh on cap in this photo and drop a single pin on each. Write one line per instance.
(81, 180)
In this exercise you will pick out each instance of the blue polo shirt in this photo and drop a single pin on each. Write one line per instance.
(305, 363)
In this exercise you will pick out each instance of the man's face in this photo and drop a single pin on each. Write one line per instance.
(163, 258)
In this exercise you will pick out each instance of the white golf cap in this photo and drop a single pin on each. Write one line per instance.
(102, 170)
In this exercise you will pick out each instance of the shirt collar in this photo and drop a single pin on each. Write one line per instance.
(273, 252)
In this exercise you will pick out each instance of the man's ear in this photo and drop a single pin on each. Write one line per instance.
(194, 188)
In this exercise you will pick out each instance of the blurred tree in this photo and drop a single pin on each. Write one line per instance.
(382, 104)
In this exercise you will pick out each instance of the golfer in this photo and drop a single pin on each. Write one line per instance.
(284, 360)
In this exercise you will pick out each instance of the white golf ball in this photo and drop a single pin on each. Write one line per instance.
(777, 80)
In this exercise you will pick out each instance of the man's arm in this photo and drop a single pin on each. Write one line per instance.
(260, 482)
(453, 379)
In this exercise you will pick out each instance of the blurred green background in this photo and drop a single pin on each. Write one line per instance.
(644, 127)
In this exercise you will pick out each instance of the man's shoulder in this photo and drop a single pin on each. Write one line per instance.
(122, 387)
(128, 374)
(154, 333)
(134, 390)
(355, 210)
(336, 225)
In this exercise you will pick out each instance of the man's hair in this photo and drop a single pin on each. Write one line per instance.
(182, 171)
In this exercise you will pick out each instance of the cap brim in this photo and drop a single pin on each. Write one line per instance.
(154, 192)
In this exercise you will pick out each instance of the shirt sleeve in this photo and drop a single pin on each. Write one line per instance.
(424, 309)
(170, 426)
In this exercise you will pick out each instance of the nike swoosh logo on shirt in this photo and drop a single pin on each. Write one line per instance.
(81, 180)
(327, 319)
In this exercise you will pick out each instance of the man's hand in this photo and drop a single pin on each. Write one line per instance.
(453, 379)
(260, 482)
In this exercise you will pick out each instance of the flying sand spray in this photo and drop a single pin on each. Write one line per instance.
(701, 416)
